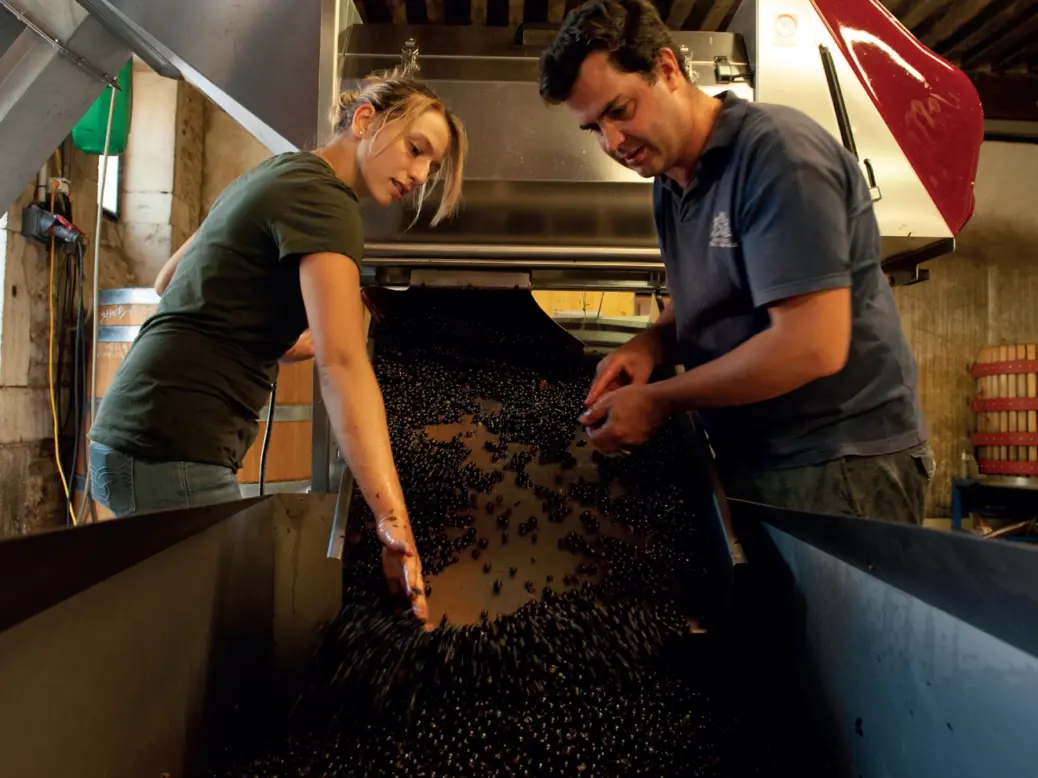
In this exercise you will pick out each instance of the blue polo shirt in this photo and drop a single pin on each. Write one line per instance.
(778, 208)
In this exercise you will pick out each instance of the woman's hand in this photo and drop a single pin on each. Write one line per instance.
(331, 291)
(400, 562)
(303, 349)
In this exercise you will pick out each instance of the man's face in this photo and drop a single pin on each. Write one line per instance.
(632, 119)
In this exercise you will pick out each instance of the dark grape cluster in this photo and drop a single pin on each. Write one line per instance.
(598, 673)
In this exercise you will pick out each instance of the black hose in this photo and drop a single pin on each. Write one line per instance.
(266, 436)
(78, 386)
(74, 384)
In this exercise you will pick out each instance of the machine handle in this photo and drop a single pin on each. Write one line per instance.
(843, 120)
(506, 251)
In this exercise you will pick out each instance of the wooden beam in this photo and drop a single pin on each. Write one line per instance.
(917, 12)
(556, 10)
(998, 15)
(998, 47)
(679, 11)
(434, 11)
(397, 12)
(1007, 97)
(1027, 52)
(719, 14)
(515, 12)
(479, 12)
(962, 14)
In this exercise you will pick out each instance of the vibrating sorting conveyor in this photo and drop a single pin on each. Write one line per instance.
(135, 647)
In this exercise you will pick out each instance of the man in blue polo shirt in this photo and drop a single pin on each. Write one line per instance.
(794, 354)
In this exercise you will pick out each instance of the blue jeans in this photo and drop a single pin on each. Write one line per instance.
(127, 485)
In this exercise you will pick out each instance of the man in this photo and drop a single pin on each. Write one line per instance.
(794, 354)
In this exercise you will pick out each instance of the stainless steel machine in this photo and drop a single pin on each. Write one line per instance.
(134, 647)
(127, 647)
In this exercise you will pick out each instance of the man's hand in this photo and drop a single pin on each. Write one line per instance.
(303, 349)
(631, 364)
(631, 417)
(400, 562)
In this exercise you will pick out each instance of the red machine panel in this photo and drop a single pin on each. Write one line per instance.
(930, 106)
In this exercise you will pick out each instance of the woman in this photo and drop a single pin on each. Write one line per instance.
(279, 250)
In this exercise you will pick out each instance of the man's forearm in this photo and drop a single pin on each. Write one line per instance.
(663, 337)
(768, 365)
(358, 417)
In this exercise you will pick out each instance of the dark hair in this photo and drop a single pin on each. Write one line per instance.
(630, 30)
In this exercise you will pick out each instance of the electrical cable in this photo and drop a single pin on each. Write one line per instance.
(50, 362)
(78, 382)
(266, 436)
(65, 381)
(84, 359)
(95, 302)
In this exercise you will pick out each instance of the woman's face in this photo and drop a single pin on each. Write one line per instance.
(401, 159)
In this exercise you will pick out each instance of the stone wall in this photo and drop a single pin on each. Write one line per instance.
(161, 191)
(983, 294)
(31, 492)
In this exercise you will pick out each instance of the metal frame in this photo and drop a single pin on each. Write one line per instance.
(904, 270)
(60, 45)
(132, 38)
(169, 631)
(727, 560)
(917, 648)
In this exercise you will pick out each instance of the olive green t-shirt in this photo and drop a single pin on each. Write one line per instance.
(201, 368)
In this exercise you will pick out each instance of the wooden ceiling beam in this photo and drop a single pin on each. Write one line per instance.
(678, 13)
(434, 11)
(1007, 97)
(1000, 45)
(721, 13)
(964, 13)
(996, 16)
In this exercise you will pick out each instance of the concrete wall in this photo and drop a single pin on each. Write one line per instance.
(986, 293)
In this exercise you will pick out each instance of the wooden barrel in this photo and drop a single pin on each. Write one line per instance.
(123, 311)
(1006, 407)
(288, 457)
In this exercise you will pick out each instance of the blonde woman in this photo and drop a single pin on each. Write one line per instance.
(271, 275)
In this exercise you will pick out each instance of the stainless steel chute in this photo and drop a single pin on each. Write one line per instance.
(130, 648)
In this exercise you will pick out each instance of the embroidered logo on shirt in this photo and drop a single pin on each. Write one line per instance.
(721, 232)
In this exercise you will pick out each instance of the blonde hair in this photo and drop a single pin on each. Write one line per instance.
(396, 95)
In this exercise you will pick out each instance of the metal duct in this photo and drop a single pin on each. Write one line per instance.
(47, 84)
(270, 64)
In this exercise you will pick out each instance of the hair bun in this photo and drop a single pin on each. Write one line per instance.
(343, 105)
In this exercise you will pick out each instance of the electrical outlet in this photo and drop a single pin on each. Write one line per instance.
(40, 224)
